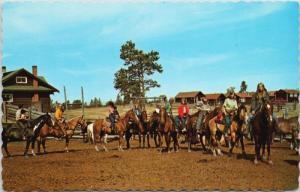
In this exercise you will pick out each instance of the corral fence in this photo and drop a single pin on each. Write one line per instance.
(9, 117)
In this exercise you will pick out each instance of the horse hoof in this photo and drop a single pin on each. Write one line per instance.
(189, 151)
(270, 162)
(26, 156)
(255, 161)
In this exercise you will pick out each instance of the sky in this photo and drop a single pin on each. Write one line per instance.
(204, 47)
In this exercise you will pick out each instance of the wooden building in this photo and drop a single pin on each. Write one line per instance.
(245, 97)
(283, 96)
(190, 97)
(215, 98)
(22, 87)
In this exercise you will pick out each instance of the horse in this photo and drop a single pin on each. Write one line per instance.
(122, 126)
(167, 129)
(238, 127)
(215, 130)
(145, 124)
(99, 128)
(289, 126)
(191, 130)
(263, 127)
(56, 131)
(31, 130)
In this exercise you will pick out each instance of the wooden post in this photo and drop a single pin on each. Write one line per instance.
(82, 101)
(65, 93)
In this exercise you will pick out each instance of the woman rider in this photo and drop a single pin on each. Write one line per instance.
(257, 100)
(230, 106)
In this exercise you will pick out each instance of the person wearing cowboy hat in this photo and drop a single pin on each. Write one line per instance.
(203, 108)
(230, 107)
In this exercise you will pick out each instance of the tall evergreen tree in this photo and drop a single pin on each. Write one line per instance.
(134, 79)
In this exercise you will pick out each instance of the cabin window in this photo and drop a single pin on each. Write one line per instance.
(8, 97)
(21, 79)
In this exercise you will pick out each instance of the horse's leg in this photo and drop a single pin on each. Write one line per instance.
(44, 144)
(103, 144)
(39, 145)
(67, 144)
(96, 138)
(32, 146)
(140, 139)
(167, 139)
(27, 147)
(269, 140)
(257, 149)
(120, 141)
(128, 135)
(155, 139)
(202, 143)
(242, 145)
(189, 140)
(4, 146)
(160, 141)
(233, 141)
(148, 140)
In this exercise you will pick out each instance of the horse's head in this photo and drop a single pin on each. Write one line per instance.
(242, 113)
(82, 123)
(48, 120)
(144, 116)
(267, 110)
(130, 115)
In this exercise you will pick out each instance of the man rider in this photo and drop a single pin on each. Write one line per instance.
(183, 111)
(21, 118)
(203, 108)
(230, 107)
(167, 105)
(60, 120)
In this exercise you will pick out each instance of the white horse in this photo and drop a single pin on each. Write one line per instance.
(90, 134)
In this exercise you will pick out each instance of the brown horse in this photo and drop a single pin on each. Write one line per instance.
(191, 130)
(216, 130)
(55, 131)
(167, 129)
(263, 127)
(238, 128)
(122, 126)
(100, 128)
(289, 126)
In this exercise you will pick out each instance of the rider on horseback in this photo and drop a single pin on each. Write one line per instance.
(113, 115)
(257, 101)
(230, 107)
(167, 105)
(183, 111)
(59, 119)
(203, 108)
(21, 118)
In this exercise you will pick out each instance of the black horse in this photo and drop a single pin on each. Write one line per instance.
(30, 132)
(263, 127)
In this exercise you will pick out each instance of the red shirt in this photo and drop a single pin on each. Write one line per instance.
(183, 109)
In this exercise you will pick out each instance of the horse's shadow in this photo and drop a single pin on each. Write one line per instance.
(58, 152)
(292, 162)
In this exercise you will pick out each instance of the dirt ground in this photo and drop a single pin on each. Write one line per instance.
(145, 169)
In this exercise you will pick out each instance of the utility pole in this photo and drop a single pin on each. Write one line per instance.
(82, 101)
